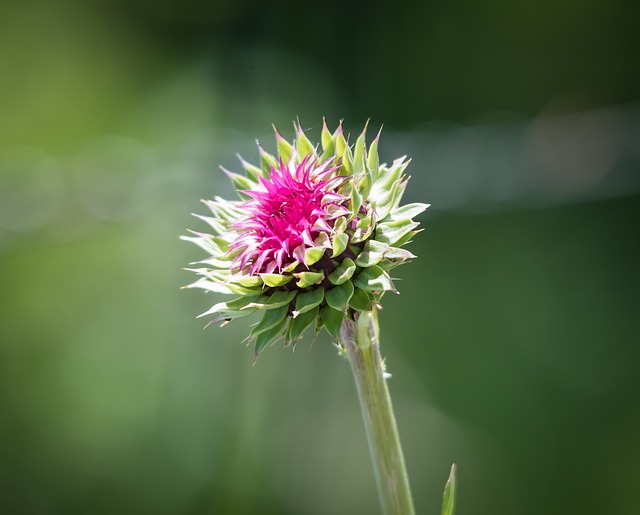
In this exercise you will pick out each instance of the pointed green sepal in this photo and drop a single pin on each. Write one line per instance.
(308, 300)
(284, 147)
(322, 241)
(372, 253)
(251, 281)
(306, 279)
(364, 185)
(332, 320)
(313, 255)
(339, 296)
(244, 302)
(339, 243)
(291, 267)
(407, 238)
(373, 161)
(267, 337)
(356, 201)
(228, 316)
(340, 225)
(271, 318)
(275, 280)
(374, 278)
(359, 153)
(267, 161)
(392, 232)
(364, 227)
(300, 323)
(360, 300)
(328, 141)
(240, 183)
(341, 143)
(241, 290)
(343, 272)
(303, 145)
(408, 211)
(220, 307)
(395, 257)
(275, 300)
(400, 254)
(252, 170)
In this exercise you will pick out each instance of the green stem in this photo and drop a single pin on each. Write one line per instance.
(360, 339)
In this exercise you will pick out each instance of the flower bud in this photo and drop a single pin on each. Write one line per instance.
(311, 240)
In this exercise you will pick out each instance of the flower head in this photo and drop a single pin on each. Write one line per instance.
(311, 239)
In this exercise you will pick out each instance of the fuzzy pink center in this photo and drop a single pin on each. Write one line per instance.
(286, 215)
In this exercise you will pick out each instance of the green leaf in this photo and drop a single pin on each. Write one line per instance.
(271, 318)
(312, 255)
(306, 279)
(360, 300)
(308, 300)
(338, 297)
(339, 242)
(275, 280)
(332, 320)
(448, 499)
(374, 278)
(298, 324)
(267, 337)
(372, 253)
(343, 272)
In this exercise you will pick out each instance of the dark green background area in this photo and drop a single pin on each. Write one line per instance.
(513, 346)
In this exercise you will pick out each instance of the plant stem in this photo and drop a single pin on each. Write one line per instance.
(360, 339)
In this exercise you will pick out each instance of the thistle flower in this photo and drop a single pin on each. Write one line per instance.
(311, 240)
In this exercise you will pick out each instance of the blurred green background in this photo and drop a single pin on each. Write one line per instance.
(514, 345)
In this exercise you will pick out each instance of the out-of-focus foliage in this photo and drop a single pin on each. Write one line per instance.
(514, 343)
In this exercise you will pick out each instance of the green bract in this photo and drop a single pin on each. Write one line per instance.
(311, 240)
